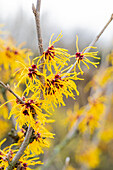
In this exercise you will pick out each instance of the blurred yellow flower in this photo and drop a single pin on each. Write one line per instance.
(106, 134)
(89, 156)
(93, 114)
(4, 127)
(10, 53)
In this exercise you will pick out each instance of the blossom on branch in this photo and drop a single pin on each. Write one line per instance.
(59, 85)
(54, 57)
(30, 112)
(8, 153)
(29, 75)
(83, 57)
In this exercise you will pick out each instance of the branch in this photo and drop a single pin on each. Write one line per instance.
(67, 161)
(25, 143)
(21, 150)
(27, 137)
(7, 87)
(36, 12)
(71, 134)
(92, 43)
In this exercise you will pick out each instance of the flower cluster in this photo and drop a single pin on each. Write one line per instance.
(32, 109)
(10, 53)
(8, 153)
(88, 155)
(54, 57)
(93, 114)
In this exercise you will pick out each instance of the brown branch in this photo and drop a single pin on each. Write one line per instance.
(25, 143)
(92, 43)
(36, 12)
(21, 150)
(28, 134)
(7, 87)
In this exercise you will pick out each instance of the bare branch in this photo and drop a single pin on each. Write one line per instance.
(38, 5)
(7, 87)
(25, 143)
(92, 43)
(21, 150)
(27, 137)
(36, 12)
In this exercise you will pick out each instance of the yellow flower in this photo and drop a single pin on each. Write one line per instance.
(57, 85)
(30, 112)
(54, 57)
(83, 57)
(93, 114)
(110, 58)
(7, 154)
(106, 76)
(107, 134)
(39, 140)
(28, 74)
(4, 127)
(74, 115)
(100, 79)
(27, 160)
(6, 75)
(88, 156)
(9, 53)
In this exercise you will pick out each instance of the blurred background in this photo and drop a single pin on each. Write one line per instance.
(83, 18)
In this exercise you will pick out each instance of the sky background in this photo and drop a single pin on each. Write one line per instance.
(83, 17)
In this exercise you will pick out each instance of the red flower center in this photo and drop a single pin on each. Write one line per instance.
(55, 82)
(50, 53)
(32, 71)
(79, 55)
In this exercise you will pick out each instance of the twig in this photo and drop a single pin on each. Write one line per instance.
(28, 134)
(67, 161)
(71, 134)
(36, 12)
(7, 87)
(92, 43)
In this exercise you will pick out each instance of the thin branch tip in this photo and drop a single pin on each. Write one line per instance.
(111, 16)
(33, 9)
